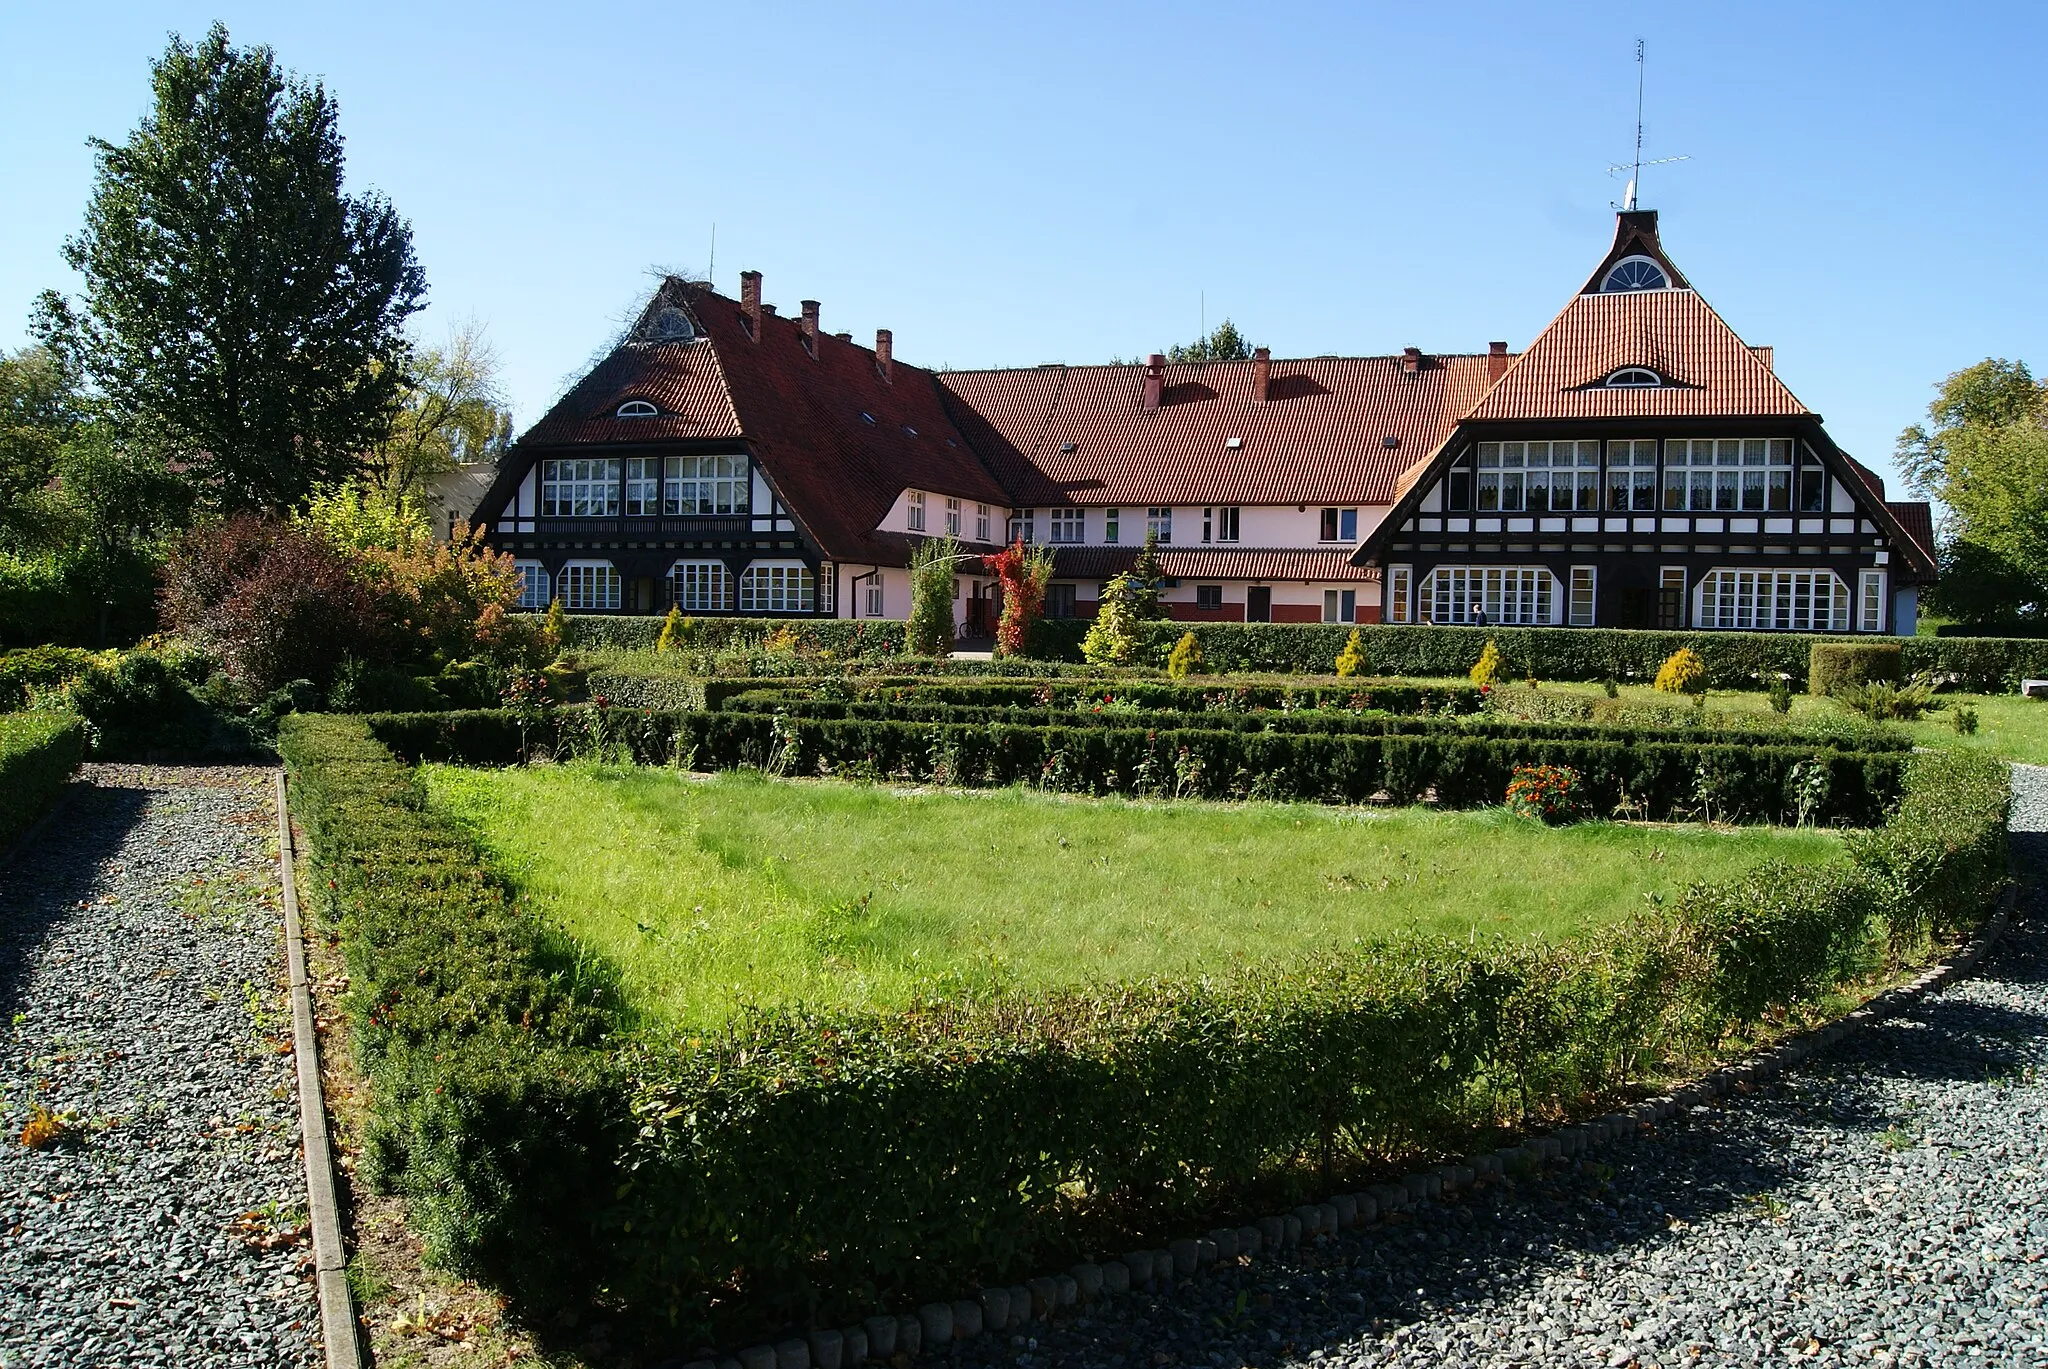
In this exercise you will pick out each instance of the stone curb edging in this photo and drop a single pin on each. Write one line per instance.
(996, 1310)
(339, 1333)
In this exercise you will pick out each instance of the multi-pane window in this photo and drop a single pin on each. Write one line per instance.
(1870, 601)
(777, 587)
(916, 516)
(952, 518)
(875, 602)
(533, 583)
(580, 487)
(1511, 595)
(701, 586)
(1208, 596)
(1579, 608)
(1024, 526)
(1340, 605)
(1671, 597)
(1537, 477)
(1340, 525)
(1398, 580)
(1159, 524)
(706, 484)
(1728, 475)
(1219, 524)
(1632, 475)
(981, 522)
(643, 486)
(1111, 520)
(590, 585)
(1069, 525)
(1774, 600)
(1060, 601)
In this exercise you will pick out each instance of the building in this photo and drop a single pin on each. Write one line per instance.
(1637, 466)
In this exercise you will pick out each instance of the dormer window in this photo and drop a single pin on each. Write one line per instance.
(1636, 273)
(1634, 378)
(637, 408)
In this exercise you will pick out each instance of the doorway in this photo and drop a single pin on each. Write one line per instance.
(1258, 604)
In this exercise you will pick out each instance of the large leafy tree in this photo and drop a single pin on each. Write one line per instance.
(1984, 455)
(450, 411)
(241, 312)
(40, 408)
(1224, 344)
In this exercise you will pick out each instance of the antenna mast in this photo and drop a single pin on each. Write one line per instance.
(1635, 173)
(711, 267)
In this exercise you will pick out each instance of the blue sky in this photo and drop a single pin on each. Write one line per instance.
(1012, 184)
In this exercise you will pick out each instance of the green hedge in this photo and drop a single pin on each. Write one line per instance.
(38, 752)
(1838, 664)
(800, 1166)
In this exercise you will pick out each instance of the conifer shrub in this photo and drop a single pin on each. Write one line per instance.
(671, 632)
(1351, 660)
(1186, 659)
(1486, 669)
(1683, 672)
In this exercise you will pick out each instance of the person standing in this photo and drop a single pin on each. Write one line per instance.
(1479, 615)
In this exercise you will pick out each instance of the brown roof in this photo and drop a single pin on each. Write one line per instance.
(1915, 518)
(1320, 438)
(1710, 372)
(1216, 563)
(681, 379)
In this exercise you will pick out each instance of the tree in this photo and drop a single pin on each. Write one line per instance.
(450, 413)
(241, 313)
(1114, 638)
(40, 408)
(1985, 456)
(1145, 580)
(116, 508)
(1225, 344)
(933, 587)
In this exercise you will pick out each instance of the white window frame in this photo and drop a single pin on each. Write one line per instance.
(1870, 597)
(1340, 605)
(1507, 476)
(1728, 475)
(1159, 524)
(533, 584)
(1634, 460)
(952, 518)
(590, 587)
(1583, 596)
(1112, 518)
(981, 523)
(1024, 526)
(913, 517)
(1400, 581)
(1633, 378)
(579, 487)
(701, 586)
(1510, 596)
(643, 486)
(874, 598)
(706, 485)
(636, 408)
(1748, 599)
(777, 587)
(1220, 523)
(1607, 285)
(1333, 524)
(1069, 526)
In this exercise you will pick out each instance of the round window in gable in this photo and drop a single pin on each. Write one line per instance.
(1634, 378)
(637, 408)
(1636, 273)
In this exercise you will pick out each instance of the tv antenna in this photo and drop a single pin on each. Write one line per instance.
(1634, 167)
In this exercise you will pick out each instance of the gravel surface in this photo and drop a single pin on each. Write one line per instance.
(142, 993)
(1886, 1204)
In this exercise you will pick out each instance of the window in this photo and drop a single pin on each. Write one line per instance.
(1024, 526)
(952, 518)
(590, 585)
(1340, 525)
(533, 583)
(1458, 484)
(1632, 475)
(700, 586)
(1634, 378)
(1671, 597)
(1208, 596)
(637, 408)
(1059, 601)
(1579, 611)
(1636, 273)
(1870, 601)
(1728, 475)
(1508, 595)
(1159, 523)
(981, 522)
(1222, 522)
(706, 484)
(1538, 477)
(1774, 601)
(643, 485)
(1069, 525)
(915, 517)
(1340, 605)
(874, 600)
(777, 587)
(586, 487)
(1813, 489)
(1399, 578)
(1110, 519)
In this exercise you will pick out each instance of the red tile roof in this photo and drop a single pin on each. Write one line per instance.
(681, 379)
(1321, 439)
(1915, 518)
(1306, 564)
(1672, 332)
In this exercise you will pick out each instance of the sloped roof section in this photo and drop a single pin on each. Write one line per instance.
(1712, 372)
(1915, 518)
(682, 380)
(1082, 434)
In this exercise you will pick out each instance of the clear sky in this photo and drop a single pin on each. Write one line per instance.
(1011, 184)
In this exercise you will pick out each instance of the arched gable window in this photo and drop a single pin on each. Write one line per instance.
(637, 408)
(1634, 377)
(1635, 273)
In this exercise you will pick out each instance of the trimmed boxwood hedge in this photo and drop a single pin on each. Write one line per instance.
(797, 1165)
(1838, 664)
(38, 752)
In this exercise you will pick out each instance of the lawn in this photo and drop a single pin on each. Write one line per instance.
(709, 892)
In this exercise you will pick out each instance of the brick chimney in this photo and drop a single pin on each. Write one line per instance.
(1496, 361)
(1155, 381)
(1411, 360)
(1262, 373)
(809, 325)
(750, 300)
(885, 354)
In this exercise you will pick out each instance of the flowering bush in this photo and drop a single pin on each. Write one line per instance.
(1549, 793)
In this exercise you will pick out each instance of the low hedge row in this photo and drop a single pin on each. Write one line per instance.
(794, 1165)
(38, 752)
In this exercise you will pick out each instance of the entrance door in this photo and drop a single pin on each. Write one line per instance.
(1258, 604)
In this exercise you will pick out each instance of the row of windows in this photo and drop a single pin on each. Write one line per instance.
(694, 587)
(599, 487)
(1736, 600)
(1220, 523)
(1727, 475)
(914, 517)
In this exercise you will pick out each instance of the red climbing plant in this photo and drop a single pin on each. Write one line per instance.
(1024, 573)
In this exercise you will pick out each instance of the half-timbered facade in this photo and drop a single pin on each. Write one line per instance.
(1637, 465)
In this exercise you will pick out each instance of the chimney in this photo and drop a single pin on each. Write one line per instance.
(1411, 360)
(750, 300)
(885, 353)
(1496, 361)
(1155, 381)
(1763, 354)
(809, 325)
(1262, 372)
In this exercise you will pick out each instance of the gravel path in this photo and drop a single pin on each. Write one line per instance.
(1885, 1204)
(142, 993)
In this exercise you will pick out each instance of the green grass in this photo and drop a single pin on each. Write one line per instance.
(709, 893)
